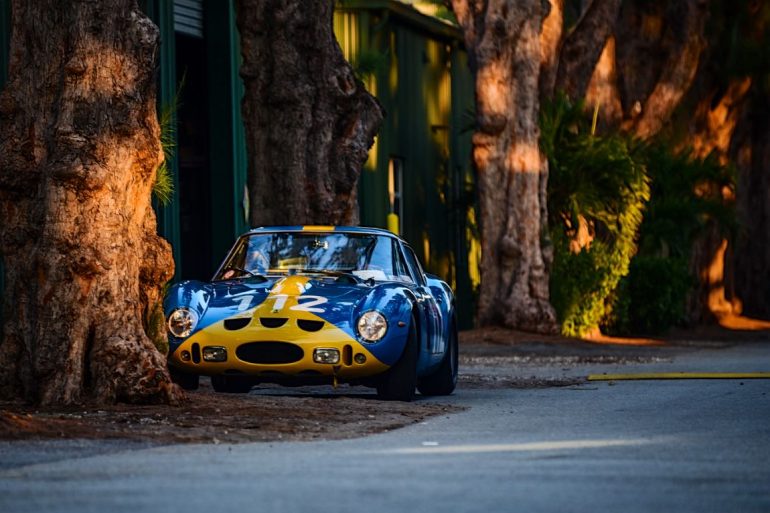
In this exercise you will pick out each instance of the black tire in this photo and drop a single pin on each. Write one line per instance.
(444, 380)
(399, 382)
(183, 379)
(231, 384)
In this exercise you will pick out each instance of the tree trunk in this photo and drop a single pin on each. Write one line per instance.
(78, 153)
(658, 52)
(712, 125)
(550, 46)
(602, 90)
(751, 150)
(583, 46)
(309, 123)
(503, 41)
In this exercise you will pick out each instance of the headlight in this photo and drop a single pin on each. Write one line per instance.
(372, 326)
(182, 322)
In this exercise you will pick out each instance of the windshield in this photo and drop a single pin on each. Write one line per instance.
(364, 255)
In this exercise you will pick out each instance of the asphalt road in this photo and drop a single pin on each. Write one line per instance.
(684, 445)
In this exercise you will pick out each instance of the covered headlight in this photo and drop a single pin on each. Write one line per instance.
(372, 326)
(182, 322)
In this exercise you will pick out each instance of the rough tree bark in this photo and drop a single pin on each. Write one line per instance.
(79, 145)
(603, 91)
(309, 123)
(550, 47)
(712, 125)
(583, 46)
(658, 51)
(503, 42)
(751, 153)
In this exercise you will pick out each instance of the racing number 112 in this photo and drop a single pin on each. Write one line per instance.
(279, 302)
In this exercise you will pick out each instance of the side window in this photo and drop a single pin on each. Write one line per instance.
(414, 265)
(380, 256)
(402, 273)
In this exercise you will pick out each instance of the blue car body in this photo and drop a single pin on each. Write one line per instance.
(270, 325)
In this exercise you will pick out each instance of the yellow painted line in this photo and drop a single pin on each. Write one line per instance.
(317, 228)
(679, 375)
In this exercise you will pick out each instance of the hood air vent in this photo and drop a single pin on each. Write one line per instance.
(236, 324)
(273, 322)
(309, 325)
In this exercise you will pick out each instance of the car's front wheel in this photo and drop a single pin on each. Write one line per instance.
(444, 380)
(231, 384)
(399, 382)
(183, 379)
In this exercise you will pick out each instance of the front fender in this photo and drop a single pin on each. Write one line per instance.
(393, 302)
(190, 294)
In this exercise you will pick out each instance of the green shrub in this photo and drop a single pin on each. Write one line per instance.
(651, 298)
(594, 180)
(163, 188)
(686, 197)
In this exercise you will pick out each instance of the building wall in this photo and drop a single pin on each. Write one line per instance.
(226, 176)
(422, 80)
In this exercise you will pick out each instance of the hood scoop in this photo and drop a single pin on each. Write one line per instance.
(273, 322)
(237, 324)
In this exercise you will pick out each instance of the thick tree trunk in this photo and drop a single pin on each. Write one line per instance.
(550, 46)
(503, 41)
(658, 51)
(79, 145)
(603, 91)
(712, 125)
(583, 46)
(751, 150)
(309, 122)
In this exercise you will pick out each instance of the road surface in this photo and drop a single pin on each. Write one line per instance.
(630, 446)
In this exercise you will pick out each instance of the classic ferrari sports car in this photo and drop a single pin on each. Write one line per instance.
(316, 304)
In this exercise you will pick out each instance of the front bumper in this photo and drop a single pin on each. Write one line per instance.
(239, 346)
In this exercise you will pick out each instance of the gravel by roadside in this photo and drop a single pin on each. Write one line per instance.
(489, 358)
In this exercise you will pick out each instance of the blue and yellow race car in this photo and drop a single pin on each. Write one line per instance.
(316, 304)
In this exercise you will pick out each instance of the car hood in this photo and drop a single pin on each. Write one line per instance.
(333, 300)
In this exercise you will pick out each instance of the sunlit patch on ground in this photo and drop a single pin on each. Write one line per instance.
(600, 338)
(741, 323)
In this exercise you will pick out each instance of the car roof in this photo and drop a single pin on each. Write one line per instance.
(324, 228)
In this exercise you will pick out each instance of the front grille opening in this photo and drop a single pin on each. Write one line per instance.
(196, 353)
(309, 325)
(236, 324)
(273, 322)
(269, 352)
(347, 355)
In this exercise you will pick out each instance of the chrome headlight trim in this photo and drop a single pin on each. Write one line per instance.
(372, 326)
(182, 321)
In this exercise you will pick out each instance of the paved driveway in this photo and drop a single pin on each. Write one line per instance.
(690, 445)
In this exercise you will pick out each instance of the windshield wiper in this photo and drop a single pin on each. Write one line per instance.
(347, 273)
(251, 274)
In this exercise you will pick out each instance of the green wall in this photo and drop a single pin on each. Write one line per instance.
(227, 150)
(227, 153)
(161, 12)
(425, 87)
